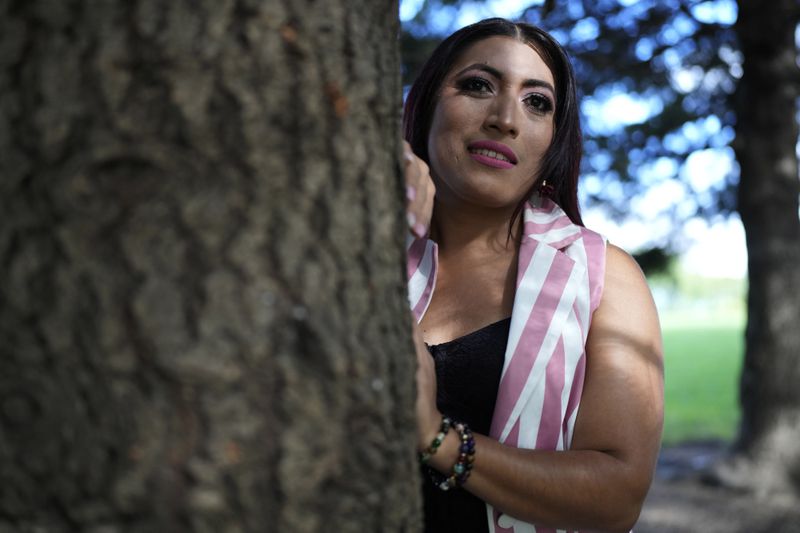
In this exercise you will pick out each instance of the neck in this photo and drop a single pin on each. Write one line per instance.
(469, 228)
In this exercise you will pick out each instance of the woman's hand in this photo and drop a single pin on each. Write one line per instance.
(428, 416)
(419, 192)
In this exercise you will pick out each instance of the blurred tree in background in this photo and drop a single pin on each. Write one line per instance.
(766, 138)
(670, 90)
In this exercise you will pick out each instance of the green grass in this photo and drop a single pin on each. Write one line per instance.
(701, 366)
(702, 322)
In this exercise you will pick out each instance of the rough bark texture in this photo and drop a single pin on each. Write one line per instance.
(203, 324)
(767, 132)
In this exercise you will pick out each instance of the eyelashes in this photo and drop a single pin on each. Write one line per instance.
(474, 84)
(539, 102)
(536, 102)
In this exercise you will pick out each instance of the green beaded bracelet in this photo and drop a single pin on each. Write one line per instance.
(425, 455)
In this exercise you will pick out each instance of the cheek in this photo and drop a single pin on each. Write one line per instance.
(442, 139)
(541, 139)
(445, 122)
(454, 114)
(544, 132)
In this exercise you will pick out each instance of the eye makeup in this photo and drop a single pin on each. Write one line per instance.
(498, 75)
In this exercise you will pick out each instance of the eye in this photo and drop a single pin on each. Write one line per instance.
(474, 84)
(538, 102)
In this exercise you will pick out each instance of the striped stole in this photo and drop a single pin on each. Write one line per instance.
(559, 283)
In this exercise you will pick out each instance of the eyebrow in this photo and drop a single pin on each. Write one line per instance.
(499, 75)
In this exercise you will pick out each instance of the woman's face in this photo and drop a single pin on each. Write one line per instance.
(492, 124)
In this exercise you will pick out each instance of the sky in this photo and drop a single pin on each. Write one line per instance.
(715, 249)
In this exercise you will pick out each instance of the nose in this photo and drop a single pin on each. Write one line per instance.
(503, 115)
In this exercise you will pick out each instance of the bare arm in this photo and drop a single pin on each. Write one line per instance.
(601, 482)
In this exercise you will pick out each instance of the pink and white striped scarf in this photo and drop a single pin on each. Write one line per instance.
(560, 273)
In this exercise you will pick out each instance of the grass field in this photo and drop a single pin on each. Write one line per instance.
(703, 323)
(701, 382)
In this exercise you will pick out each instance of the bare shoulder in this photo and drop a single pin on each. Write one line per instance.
(621, 267)
(626, 308)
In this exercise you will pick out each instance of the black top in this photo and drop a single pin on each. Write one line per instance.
(467, 378)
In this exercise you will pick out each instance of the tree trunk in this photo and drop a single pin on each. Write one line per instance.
(203, 321)
(766, 136)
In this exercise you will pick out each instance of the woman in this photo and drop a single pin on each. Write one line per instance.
(541, 407)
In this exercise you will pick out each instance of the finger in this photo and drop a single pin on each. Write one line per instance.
(408, 153)
(428, 196)
(422, 207)
(419, 198)
(415, 193)
(418, 177)
(419, 219)
(411, 173)
(411, 193)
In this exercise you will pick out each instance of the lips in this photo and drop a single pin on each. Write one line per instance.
(493, 154)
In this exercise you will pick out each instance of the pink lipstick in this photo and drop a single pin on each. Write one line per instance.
(492, 154)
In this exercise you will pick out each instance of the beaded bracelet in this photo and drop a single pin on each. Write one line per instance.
(426, 454)
(464, 463)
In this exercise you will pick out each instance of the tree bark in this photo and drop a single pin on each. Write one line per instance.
(766, 137)
(203, 321)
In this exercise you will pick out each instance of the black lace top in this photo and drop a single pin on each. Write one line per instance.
(467, 378)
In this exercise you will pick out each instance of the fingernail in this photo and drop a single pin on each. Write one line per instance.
(419, 229)
(411, 193)
(411, 220)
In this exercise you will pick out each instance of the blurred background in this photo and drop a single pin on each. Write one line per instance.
(659, 172)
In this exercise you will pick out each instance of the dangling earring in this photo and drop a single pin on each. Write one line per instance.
(545, 189)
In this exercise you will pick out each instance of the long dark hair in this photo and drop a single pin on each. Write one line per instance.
(561, 163)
